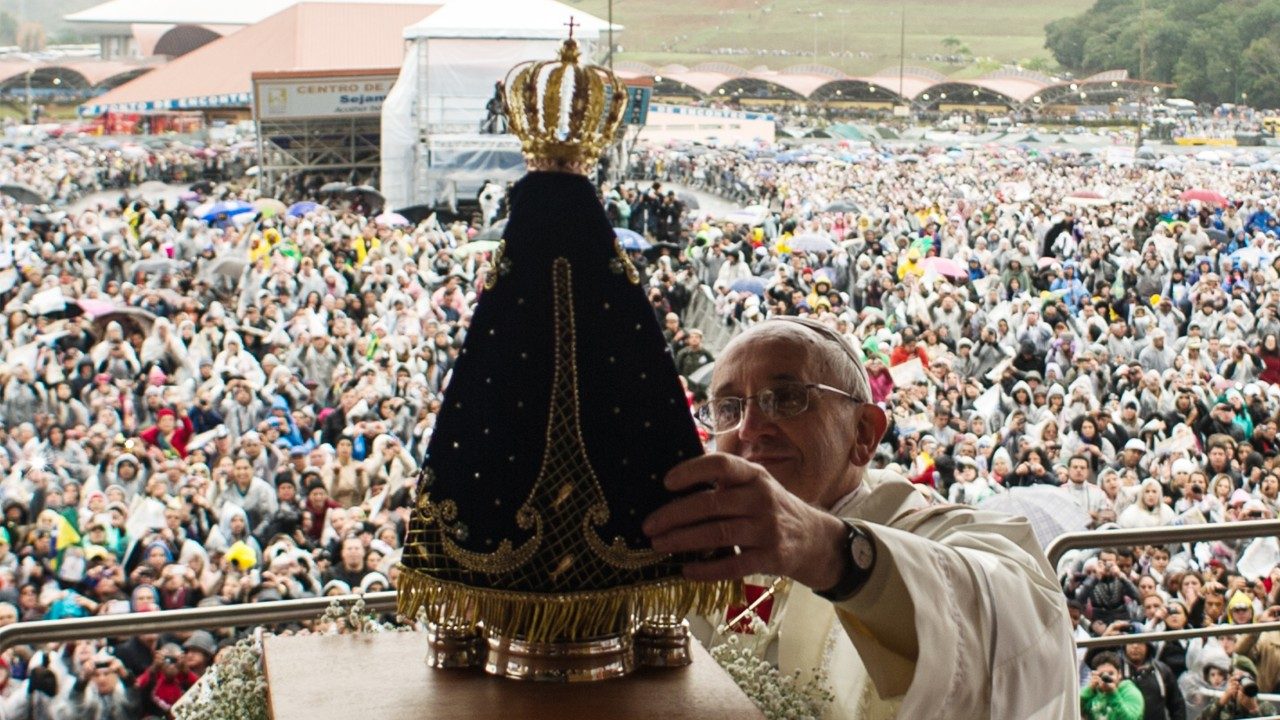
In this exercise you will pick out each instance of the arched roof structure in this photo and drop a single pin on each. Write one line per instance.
(182, 39)
(74, 74)
(1012, 88)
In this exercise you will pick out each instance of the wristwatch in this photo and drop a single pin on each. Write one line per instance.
(859, 554)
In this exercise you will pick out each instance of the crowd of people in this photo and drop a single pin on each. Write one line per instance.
(1026, 319)
(202, 408)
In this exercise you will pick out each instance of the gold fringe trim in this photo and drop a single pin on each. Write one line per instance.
(539, 617)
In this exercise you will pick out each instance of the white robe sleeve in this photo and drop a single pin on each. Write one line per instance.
(970, 595)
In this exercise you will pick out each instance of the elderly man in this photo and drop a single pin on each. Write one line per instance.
(791, 492)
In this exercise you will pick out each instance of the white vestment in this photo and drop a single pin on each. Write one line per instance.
(990, 619)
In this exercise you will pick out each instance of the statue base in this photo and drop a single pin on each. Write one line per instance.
(600, 659)
(387, 676)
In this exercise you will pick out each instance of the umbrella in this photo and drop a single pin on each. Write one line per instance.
(689, 199)
(812, 243)
(493, 233)
(840, 206)
(655, 249)
(229, 208)
(365, 190)
(23, 193)
(1048, 508)
(96, 308)
(702, 376)
(334, 187)
(270, 207)
(631, 240)
(367, 195)
(229, 266)
(750, 215)
(416, 213)
(299, 209)
(751, 285)
(1203, 195)
(1252, 255)
(1046, 262)
(945, 267)
(128, 316)
(158, 266)
(390, 219)
(1085, 198)
(203, 186)
(477, 246)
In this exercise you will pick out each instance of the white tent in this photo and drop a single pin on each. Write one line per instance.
(455, 57)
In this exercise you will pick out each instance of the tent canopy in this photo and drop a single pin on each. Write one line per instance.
(508, 20)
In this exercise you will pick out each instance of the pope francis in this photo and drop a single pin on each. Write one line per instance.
(914, 611)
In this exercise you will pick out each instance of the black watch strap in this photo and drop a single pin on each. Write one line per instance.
(855, 574)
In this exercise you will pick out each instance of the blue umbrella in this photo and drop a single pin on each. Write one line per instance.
(631, 240)
(229, 208)
(299, 209)
(751, 285)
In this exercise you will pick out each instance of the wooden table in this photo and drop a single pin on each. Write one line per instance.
(385, 677)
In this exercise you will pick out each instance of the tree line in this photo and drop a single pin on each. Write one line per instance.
(1214, 51)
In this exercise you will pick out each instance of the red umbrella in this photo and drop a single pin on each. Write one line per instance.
(1203, 195)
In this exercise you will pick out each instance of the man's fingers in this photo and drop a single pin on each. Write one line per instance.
(728, 568)
(715, 469)
(697, 508)
(704, 537)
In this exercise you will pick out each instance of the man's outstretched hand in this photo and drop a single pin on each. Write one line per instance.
(736, 503)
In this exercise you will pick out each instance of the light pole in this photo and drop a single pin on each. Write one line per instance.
(30, 99)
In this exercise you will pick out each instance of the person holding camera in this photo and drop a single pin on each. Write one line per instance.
(1240, 699)
(1264, 648)
(1108, 696)
(162, 684)
(99, 693)
(1107, 589)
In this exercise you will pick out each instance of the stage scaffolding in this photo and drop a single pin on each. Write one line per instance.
(297, 155)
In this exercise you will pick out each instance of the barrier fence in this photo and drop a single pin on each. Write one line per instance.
(283, 611)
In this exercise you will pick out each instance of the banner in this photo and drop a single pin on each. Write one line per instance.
(309, 96)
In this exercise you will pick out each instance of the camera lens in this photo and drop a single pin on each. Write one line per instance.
(1249, 687)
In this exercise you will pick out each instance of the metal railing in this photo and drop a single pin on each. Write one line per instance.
(1186, 634)
(281, 611)
(1159, 536)
(127, 625)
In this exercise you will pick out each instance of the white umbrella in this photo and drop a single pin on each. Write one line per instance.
(1050, 510)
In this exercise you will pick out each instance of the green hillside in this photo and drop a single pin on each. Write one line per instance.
(47, 12)
(857, 36)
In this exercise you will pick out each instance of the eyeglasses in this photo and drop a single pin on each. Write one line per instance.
(724, 415)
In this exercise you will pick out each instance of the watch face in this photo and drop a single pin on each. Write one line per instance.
(864, 554)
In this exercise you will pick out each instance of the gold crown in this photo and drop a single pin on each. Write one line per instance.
(565, 113)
